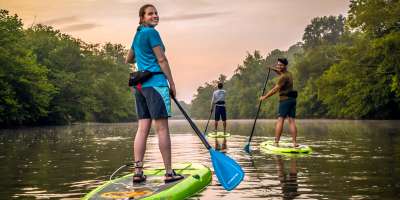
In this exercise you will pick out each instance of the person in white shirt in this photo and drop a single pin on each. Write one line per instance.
(218, 100)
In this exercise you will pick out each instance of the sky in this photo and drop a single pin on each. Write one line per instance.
(203, 38)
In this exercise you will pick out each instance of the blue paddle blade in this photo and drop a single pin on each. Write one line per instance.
(228, 171)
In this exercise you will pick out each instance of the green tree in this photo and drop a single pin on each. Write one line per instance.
(375, 17)
(201, 103)
(25, 91)
(322, 40)
(323, 30)
(52, 78)
(62, 56)
(365, 83)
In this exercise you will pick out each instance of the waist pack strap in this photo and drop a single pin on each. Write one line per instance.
(220, 102)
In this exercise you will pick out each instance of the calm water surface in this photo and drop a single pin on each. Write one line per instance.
(351, 160)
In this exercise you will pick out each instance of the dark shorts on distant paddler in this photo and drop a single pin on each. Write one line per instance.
(220, 113)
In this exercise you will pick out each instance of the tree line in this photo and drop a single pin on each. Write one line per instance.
(47, 77)
(343, 68)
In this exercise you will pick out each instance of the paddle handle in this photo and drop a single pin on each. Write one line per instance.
(259, 107)
(193, 125)
(205, 131)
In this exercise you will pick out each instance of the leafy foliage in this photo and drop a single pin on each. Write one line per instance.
(342, 69)
(51, 78)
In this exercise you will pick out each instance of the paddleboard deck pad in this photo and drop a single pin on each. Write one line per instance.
(197, 177)
(218, 134)
(284, 147)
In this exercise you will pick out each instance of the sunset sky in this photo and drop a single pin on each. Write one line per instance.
(203, 38)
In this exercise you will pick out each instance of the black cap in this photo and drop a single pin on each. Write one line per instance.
(283, 61)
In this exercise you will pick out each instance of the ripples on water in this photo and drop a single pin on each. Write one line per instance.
(350, 160)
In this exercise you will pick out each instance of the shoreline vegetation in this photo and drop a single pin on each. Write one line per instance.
(345, 68)
(50, 78)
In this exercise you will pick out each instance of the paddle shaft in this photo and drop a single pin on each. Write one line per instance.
(205, 131)
(196, 130)
(259, 107)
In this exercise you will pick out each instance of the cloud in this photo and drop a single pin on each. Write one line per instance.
(61, 20)
(70, 23)
(79, 27)
(192, 16)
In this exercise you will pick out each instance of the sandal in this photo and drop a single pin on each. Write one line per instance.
(139, 177)
(173, 176)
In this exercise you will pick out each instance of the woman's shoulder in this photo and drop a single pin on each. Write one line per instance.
(149, 30)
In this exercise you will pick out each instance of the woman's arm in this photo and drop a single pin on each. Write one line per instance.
(163, 62)
(130, 58)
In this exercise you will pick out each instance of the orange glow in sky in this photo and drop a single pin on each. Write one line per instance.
(203, 38)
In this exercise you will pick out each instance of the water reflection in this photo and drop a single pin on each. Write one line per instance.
(220, 144)
(287, 178)
(350, 160)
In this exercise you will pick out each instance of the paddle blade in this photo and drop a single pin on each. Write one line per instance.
(228, 171)
(247, 148)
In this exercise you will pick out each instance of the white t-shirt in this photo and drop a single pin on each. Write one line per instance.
(218, 95)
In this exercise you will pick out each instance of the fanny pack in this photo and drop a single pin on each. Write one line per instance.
(140, 77)
(220, 103)
(292, 94)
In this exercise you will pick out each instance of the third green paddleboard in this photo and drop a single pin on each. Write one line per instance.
(218, 134)
(284, 147)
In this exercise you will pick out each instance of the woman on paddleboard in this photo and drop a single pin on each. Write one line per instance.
(153, 95)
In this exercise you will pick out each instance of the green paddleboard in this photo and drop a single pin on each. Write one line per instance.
(284, 147)
(218, 134)
(197, 177)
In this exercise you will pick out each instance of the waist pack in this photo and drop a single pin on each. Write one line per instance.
(220, 103)
(140, 77)
(292, 94)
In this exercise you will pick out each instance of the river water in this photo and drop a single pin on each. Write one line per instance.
(350, 159)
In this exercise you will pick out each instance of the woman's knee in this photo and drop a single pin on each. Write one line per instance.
(161, 126)
(144, 125)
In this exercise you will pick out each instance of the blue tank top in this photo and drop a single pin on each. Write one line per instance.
(146, 38)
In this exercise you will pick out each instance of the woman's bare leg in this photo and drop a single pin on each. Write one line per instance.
(139, 146)
(164, 142)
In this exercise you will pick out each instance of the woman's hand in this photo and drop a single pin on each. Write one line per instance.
(172, 90)
(262, 98)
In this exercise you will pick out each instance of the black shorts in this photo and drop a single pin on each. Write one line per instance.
(287, 108)
(153, 103)
(220, 112)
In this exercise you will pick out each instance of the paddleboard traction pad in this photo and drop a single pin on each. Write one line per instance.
(197, 177)
(285, 147)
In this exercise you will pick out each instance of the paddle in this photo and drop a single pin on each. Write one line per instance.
(205, 131)
(247, 147)
(228, 171)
